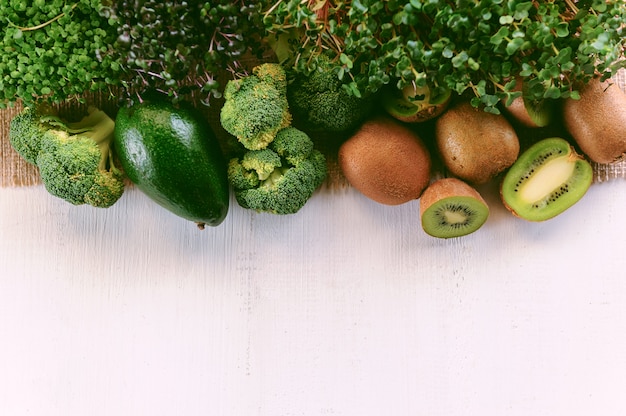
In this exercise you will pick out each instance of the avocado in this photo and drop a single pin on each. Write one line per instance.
(172, 155)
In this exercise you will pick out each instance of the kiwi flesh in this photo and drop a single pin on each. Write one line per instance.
(415, 104)
(548, 178)
(452, 208)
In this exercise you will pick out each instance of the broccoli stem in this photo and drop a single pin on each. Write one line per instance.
(97, 126)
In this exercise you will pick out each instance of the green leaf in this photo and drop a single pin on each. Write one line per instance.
(500, 35)
(552, 92)
(344, 59)
(514, 45)
(562, 30)
(460, 59)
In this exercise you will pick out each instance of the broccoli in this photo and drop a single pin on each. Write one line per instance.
(320, 102)
(255, 106)
(75, 159)
(298, 170)
(262, 161)
(26, 130)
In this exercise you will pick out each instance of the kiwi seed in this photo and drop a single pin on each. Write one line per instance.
(547, 179)
(452, 208)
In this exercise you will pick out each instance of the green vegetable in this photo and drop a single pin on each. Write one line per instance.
(26, 130)
(54, 49)
(61, 49)
(75, 159)
(473, 47)
(180, 47)
(256, 107)
(171, 154)
(281, 178)
(320, 101)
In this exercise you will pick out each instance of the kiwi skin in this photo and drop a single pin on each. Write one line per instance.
(597, 121)
(558, 195)
(474, 145)
(458, 197)
(386, 161)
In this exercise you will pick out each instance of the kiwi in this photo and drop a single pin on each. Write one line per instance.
(451, 208)
(386, 161)
(415, 104)
(474, 145)
(597, 121)
(548, 178)
(530, 113)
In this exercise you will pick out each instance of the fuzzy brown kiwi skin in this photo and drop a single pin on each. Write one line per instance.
(444, 188)
(386, 161)
(474, 145)
(597, 121)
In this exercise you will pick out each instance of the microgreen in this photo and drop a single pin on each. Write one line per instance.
(472, 47)
(52, 49)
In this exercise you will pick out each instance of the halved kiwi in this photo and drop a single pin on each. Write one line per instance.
(415, 104)
(452, 208)
(547, 179)
(528, 112)
(539, 112)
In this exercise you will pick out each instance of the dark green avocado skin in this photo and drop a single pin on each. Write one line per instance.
(173, 156)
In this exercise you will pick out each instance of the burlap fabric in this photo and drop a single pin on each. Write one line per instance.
(14, 171)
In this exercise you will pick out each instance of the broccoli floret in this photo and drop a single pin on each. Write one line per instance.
(293, 145)
(75, 159)
(272, 74)
(319, 101)
(255, 106)
(263, 162)
(26, 130)
(239, 177)
(289, 185)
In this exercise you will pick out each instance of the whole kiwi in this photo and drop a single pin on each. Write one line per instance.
(597, 121)
(386, 161)
(475, 145)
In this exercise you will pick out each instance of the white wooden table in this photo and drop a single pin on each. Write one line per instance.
(346, 308)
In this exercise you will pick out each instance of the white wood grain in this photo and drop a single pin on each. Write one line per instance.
(346, 308)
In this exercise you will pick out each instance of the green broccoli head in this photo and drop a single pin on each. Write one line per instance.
(239, 177)
(75, 159)
(255, 106)
(263, 162)
(289, 185)
(272, 73)
(293, 145)
(319, 101)
(26, 130)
